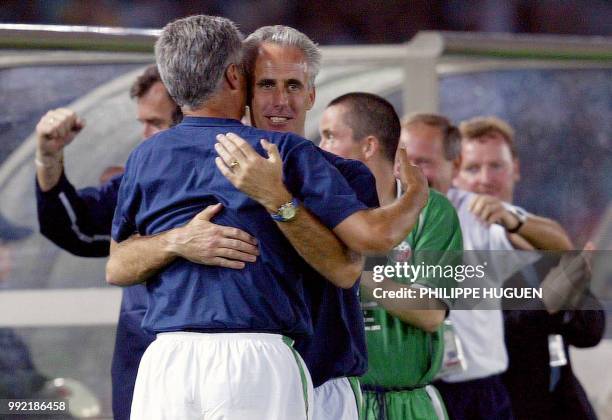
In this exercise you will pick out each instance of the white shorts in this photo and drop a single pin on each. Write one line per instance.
(338, 399)
(229, 376)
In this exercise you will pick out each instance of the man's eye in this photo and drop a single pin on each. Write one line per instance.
(294, 87)
(471, 169)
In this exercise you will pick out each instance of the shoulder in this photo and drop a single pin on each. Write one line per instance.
(459, 198)
(287, 143)
(439, 202)
(350, 168)
(149, 145)
(439, 209)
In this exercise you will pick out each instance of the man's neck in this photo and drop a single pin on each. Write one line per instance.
(217, 107)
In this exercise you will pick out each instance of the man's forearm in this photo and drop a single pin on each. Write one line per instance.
(317, 245)
(429, 315)
(543, 233)
(322, 250)
(49, 169)
(138, 258)
(378, 231)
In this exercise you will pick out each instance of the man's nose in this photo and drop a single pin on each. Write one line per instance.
(281, 97)
(485, 175)
(147, 130)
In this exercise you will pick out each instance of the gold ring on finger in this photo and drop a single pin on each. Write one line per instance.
(234, 164)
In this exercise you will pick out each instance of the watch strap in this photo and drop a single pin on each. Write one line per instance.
(279, 217)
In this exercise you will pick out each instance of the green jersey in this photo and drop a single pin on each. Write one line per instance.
(401, 356)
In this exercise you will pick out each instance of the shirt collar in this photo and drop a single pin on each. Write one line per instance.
(210, 122)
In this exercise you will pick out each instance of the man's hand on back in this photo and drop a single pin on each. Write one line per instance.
(203, 242)
(200, 241)
(258, 177)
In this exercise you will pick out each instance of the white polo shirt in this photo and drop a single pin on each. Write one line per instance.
(481, 331)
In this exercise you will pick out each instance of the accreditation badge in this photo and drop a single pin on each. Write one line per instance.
(453, 360)
(556, 349)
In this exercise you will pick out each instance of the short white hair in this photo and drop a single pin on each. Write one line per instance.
(284, 36)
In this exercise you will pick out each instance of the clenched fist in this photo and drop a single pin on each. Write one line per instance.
(55, 130)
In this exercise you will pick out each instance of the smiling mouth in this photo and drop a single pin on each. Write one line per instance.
(279, 120)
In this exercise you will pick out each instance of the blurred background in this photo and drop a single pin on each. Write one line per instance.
(544, 66)
(332, 21)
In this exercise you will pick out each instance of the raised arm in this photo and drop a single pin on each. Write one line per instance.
(377, 231)
(76, 221)
(374, 231)
(55, 130)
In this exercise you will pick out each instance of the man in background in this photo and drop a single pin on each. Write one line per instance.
(404, 336)
(477, 392)
(79, 221)
(539, 377)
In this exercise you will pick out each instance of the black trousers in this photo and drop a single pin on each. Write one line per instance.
(478, 399)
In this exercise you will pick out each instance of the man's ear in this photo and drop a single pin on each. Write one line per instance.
(371, 147)
(233, 76)
(312, 94)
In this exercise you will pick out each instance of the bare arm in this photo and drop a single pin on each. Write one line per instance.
(261, 179)
(536, 232)
(429, 315)
(139, 257)
(377, 231)
(542, 233)
(366, 232)
(55, 130)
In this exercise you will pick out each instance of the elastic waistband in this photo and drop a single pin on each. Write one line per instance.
(222, 337)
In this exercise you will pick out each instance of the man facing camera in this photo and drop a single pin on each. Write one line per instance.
(241, 324)
(404, 336)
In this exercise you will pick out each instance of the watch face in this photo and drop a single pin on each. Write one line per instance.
(287, 212)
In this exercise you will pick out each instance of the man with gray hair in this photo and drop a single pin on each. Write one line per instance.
(282, 65)
(237, 328)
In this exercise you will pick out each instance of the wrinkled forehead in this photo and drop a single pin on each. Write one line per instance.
(280, 63)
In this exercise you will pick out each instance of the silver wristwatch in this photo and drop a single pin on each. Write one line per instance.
(286, 212)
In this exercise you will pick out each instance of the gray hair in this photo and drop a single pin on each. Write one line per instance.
(192, 55)
(284, 36)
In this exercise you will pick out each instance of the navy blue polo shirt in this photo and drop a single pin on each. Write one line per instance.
(173, 176)
(338, 346)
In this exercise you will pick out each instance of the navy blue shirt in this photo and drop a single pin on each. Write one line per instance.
(172, 176)
(338, 346)
(80, 222)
